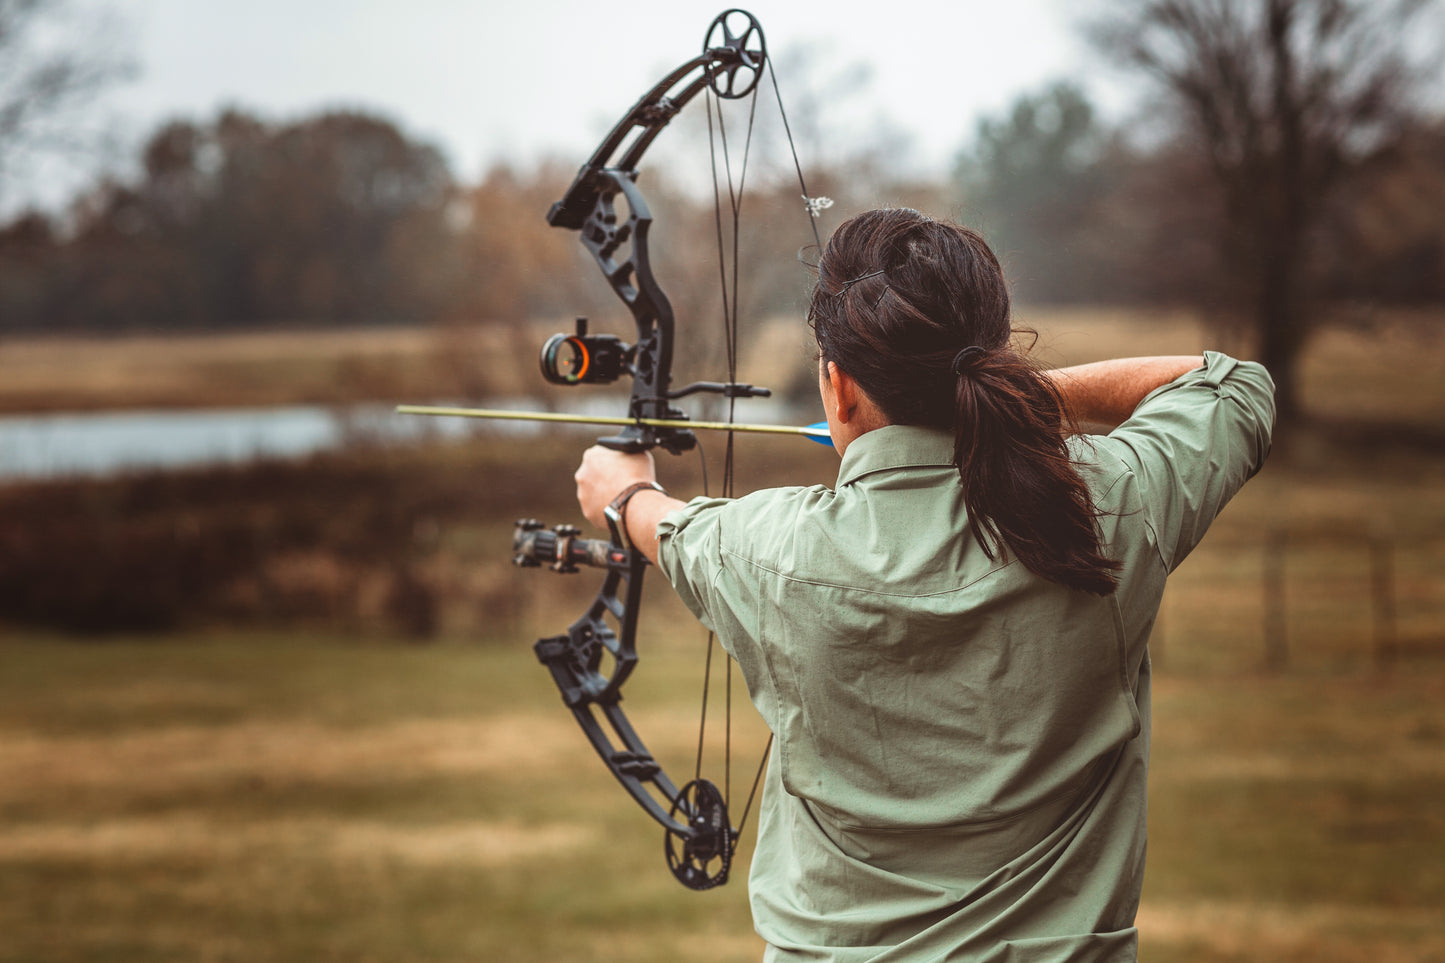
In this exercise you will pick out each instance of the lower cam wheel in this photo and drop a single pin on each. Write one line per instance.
(701, 858)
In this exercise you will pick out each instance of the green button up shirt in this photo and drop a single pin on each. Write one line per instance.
(961, 747)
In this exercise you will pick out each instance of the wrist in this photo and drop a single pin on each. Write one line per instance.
(616, 510)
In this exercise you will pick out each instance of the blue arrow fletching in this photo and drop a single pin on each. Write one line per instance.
(825, 438)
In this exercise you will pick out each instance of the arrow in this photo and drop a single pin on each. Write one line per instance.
(816, 432)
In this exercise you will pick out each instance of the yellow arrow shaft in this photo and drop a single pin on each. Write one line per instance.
(505, 415)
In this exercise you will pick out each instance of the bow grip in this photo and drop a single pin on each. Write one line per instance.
(635, 439)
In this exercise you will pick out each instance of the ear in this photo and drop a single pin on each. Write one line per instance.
(845, 392)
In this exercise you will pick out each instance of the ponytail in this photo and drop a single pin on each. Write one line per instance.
(1020, 485)
(917, 312)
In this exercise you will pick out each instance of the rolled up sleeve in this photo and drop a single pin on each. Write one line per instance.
(1193, 443)
(689, 553)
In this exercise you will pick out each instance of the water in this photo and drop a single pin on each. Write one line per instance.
(50, 446)
(103, 443)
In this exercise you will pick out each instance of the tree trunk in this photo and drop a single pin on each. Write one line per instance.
(1280, 341)
(1281, 316)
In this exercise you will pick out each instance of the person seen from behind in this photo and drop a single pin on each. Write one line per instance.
(950, 644)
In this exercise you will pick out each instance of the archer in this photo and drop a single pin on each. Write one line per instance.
(950, 644)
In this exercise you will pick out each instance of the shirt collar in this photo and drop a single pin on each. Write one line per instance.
(895, 446)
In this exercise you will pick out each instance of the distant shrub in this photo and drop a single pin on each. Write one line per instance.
(354, 541)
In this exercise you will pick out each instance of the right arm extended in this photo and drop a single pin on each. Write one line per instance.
(1107, 392)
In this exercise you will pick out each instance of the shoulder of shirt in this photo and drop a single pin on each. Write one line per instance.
(1102, 462)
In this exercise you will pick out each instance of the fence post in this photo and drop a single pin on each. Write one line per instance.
(1276, 642)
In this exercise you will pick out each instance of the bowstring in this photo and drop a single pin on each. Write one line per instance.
(717, 139)
(730, 337)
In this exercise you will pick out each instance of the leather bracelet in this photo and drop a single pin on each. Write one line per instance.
(616, 511)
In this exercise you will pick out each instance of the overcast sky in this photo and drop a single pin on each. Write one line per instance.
(486, 80)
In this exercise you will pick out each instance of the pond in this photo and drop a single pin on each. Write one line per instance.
(101, 443)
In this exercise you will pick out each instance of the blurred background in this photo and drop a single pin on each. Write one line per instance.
(266, 681)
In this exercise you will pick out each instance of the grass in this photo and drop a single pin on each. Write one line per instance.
(279, 796)
(272, 797)
(1298, 819)
(253, 368)
(286, 799)
(1392, 371)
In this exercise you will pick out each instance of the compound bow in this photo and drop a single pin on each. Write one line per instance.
(592, 660)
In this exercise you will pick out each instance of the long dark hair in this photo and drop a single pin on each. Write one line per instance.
(916, 311)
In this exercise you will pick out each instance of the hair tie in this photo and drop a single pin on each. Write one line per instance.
(967, 359)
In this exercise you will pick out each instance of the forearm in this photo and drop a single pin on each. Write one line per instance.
(644, 512)
(1107, 392)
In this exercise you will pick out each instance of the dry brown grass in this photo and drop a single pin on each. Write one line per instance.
(381, 803)
(234, 799)
(255, 368)
(1395, 369)
(1248, 930)
(479, 843)
(295, 751)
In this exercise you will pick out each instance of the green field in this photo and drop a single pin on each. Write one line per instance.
(278, 798)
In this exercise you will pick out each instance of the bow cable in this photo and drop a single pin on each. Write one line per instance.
(813, 205)
(729, 278)
(717, 136)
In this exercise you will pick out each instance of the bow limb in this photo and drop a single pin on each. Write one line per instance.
(589, 664)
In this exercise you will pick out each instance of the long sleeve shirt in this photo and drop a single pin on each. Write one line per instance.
(961, 747)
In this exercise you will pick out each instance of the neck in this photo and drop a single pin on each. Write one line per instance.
(851, 413)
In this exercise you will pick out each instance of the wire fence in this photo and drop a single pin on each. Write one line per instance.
(1290, 600)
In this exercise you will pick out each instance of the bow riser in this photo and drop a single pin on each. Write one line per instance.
(633, 281)
(576, 658)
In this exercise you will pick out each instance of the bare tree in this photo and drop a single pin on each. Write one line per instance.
(1283, 98)
(48, 73)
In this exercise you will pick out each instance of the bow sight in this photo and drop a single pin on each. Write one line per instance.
(582, 358)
